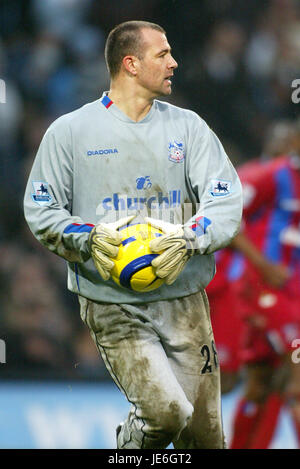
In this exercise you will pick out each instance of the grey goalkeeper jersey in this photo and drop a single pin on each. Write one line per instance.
(96, 165)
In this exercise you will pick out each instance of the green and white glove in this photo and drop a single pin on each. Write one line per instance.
(103, 242)
(178, 244)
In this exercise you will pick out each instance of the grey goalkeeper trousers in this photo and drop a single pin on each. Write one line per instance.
(162, 356)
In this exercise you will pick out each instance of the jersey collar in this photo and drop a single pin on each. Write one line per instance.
(113, 109)
(106, 101)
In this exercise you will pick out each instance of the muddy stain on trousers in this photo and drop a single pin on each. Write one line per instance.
(162, 356)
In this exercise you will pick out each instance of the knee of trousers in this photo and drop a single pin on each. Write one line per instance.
(173, 419)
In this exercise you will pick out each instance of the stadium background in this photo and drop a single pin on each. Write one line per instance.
(237, 61)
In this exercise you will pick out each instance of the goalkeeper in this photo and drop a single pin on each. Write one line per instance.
(97, 168)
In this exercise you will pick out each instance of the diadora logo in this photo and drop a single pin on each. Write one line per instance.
(123, 202)
(143, 182)
(106, 151)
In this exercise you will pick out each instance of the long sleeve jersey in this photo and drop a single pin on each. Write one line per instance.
(96, 165)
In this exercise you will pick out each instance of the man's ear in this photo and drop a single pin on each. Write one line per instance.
(129, 63)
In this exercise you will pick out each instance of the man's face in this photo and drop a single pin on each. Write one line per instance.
(155, 69)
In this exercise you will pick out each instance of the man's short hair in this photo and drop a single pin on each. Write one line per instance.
(126, 39)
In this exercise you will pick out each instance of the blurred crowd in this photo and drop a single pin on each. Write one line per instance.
(237, 61)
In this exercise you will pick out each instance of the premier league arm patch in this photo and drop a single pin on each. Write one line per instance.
(41, 193)
(220, 188)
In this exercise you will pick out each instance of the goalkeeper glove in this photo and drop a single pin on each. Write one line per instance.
(178, 244)
(103, 242)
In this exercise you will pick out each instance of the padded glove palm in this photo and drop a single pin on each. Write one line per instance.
(178, 244)
(104, 240)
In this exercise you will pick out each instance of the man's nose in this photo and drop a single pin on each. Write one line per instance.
(173, 63)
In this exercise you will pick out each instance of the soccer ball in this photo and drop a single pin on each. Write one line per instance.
(133, 269)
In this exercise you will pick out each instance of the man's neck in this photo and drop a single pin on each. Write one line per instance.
(130, 101)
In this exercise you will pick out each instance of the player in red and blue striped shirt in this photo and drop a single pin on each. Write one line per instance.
(268, 296)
